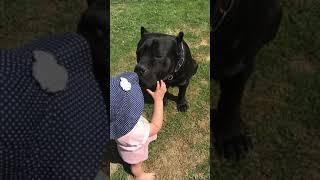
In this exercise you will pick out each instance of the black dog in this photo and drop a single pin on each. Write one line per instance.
(94, 26)
(239, 31)
(166, 57)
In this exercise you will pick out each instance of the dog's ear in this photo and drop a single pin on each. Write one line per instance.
(180, 37)
(143, 30)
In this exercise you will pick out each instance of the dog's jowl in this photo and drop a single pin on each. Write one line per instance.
(166, 57)
(239, 31)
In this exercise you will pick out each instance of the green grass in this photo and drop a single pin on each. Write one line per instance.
(182, 148)
(25, 20)
(282, 110)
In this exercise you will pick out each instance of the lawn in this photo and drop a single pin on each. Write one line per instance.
(282, 107)
(24, 20)
(182, 148)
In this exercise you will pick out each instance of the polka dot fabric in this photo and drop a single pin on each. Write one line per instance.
(51, 135)
(125, 106)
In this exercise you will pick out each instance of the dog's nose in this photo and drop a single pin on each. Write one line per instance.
(140, 69)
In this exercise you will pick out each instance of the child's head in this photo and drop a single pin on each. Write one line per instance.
(126, 104)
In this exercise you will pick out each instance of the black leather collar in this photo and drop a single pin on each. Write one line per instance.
(181, 55)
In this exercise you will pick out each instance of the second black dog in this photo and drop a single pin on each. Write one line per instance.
(94, 27)
(239, 30)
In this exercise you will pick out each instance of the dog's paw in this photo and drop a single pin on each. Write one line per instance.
(233, 148)
(182, 106)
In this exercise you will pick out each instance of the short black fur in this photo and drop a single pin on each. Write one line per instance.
(166, 57)
(245, 29)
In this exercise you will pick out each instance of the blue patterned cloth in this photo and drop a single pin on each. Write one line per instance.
(46, 135)
(126, 106)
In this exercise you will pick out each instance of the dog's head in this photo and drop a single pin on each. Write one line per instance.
(157, 55)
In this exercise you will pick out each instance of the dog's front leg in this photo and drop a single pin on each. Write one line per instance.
(182, 104)
(229, 140)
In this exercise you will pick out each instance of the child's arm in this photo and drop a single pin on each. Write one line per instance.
(157, 116)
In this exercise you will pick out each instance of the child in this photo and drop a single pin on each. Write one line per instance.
(131, 131)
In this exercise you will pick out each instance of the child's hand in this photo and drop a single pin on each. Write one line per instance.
(160, 91)
(157, 116)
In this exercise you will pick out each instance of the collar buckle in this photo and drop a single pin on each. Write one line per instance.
(170, 77)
